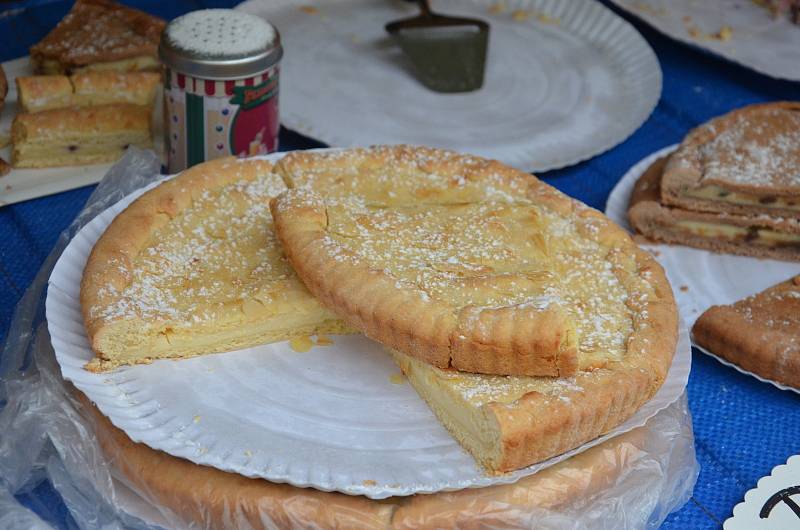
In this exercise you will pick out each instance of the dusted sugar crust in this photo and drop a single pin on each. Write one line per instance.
(754, 151)
(760, 333)
(78, 136)
(193, 267)
(657, 221)
(468, 264)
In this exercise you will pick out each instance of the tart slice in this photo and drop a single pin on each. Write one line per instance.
(193, 267)
(759, 333)
(78, 136)
(511, 422)
(467, 264)
(99, 35)
(758, 235)
(744, 162)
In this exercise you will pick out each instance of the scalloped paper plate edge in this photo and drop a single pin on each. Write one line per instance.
(767, 506)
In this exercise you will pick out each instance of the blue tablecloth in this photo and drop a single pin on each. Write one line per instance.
(743, 428)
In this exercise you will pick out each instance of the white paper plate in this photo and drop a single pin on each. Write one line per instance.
(23, 184)
(701, 278)
(767, 45)
(554, 94)
(330, 418)
(770, 497)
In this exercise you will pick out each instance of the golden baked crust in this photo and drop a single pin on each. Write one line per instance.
(45, 92)
(205, 497)
(758, 235)
(99, 32)
(759, 333)
(466, 263)
(193, 267)
(745, 162)
(78, 136)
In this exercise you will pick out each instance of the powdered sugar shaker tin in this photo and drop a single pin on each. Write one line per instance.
(221, 86)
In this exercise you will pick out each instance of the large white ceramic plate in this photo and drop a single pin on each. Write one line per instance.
(555, 93)
(23, 184)
(701, 278)
(332, 418)
(758, 41)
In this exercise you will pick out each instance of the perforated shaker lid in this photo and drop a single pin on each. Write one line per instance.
(220, 44)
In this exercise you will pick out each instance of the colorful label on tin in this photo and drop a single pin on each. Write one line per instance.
(211, 119)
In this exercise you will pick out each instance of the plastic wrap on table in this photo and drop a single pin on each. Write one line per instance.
(49, 431)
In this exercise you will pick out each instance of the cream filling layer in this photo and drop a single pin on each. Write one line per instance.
(59, 152)
(469, 423)
(143, 62)
(130, 340)
(759, 236)
(720, 194)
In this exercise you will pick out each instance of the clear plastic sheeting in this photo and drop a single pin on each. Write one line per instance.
(49, 431)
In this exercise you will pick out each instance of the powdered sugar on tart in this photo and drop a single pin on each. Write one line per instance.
(514, 279)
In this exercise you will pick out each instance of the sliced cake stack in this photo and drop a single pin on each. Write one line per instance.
(732, 186)
(97, 97)
(85, 118)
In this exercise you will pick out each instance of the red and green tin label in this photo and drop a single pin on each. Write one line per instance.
(210, 119)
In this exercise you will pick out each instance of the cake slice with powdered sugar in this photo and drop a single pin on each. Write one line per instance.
(761, 333)
(758, 235)
(744, 162)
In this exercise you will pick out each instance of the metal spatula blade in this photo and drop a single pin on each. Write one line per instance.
(448, 53)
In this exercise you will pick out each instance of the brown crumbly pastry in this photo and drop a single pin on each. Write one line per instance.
(193, 267)
(205, 497)
(79, 136)
(45, 92)
(5, 167)
(99, 35)
(760, 333)
(464, 263)
(756, 235)
(744, 162)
